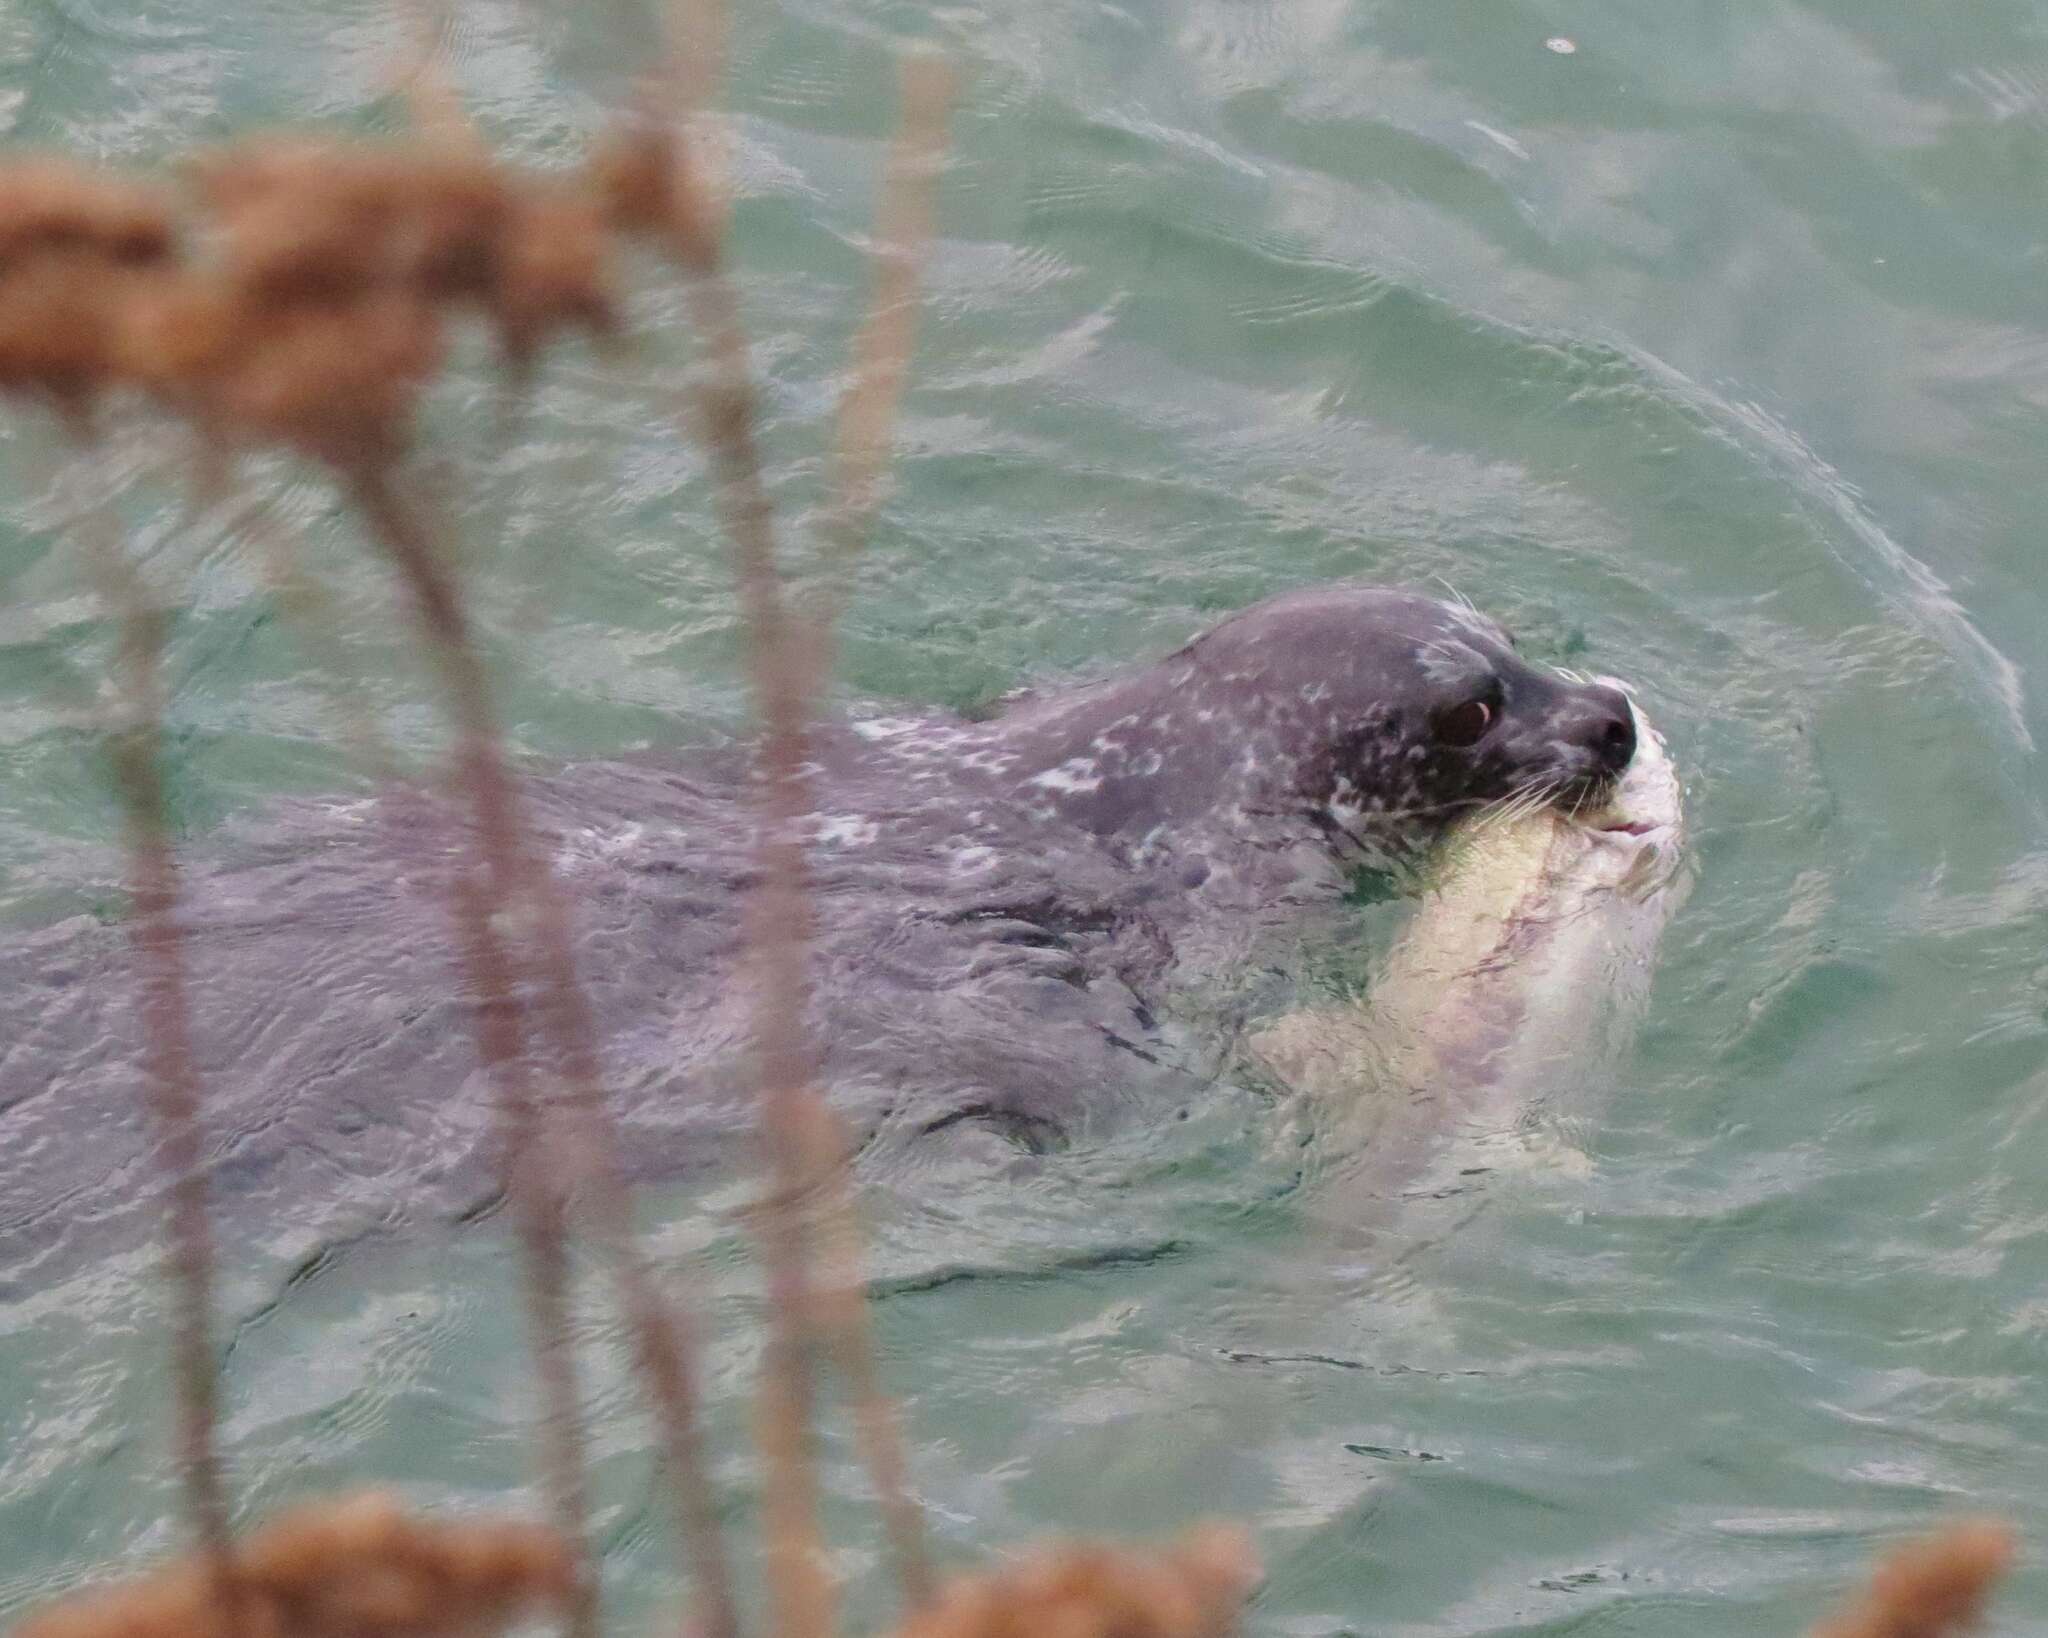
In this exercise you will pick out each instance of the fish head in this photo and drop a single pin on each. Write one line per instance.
(1637, 828)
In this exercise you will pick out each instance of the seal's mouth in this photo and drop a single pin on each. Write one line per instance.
(1591, 799)
(1617, 813)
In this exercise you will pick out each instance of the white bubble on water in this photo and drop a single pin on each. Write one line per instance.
(1559, 44)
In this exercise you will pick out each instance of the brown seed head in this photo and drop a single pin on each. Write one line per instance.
(555, 273)
(1193, 1589)
(173, 334)
(646, 188)
(74, 249)
(59, 327)
(339, 383)
(358, 1568)
(632, 172)
(1929, 1588)
(316, 221)
(51, 204)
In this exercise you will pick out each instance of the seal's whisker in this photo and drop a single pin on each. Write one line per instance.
(1501, 807)
(1505, 811)
(1523, 799)
(1547, 793)
(1489, 812)
(1592, 797)
(1530, 799)
(1456, 596)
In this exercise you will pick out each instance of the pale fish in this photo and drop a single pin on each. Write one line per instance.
(1517, 982)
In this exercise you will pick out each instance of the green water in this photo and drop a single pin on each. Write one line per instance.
(1713, 353)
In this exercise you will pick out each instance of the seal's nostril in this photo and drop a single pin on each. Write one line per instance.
(1604, 724)
(1617, 743)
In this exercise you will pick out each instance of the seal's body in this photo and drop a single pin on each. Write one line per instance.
(1002, 907)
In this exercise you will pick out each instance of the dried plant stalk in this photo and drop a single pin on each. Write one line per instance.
(698, 41)
(540, 1216)
(172, 1073)
(432, 103)
(795, 1121)
(325, 240)
(867, 418)
(318, 327)
(652, 185)
(660, 187)
(308, 604)
(531, 1186)
(663, 1347)
(1194, 1588)
(515, 878)
(1932, 1588)
(356, 1568)
(882, 347)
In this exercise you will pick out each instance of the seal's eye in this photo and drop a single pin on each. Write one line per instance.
(1461, 725)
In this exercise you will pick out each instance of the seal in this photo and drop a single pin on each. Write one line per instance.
(1006, 912)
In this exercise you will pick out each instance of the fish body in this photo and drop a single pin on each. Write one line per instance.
(1518, 980)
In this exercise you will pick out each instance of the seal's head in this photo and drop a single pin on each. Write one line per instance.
(1428, 711)
(1386, 715)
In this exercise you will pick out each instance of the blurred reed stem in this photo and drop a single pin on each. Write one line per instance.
(518, 881)
(171, 1069)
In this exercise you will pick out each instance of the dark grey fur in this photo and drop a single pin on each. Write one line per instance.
(1005, 907)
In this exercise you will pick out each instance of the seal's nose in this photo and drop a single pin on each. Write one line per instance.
(1606, 726)
(1598, 719)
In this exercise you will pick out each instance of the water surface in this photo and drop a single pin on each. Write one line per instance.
(1711, 352)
